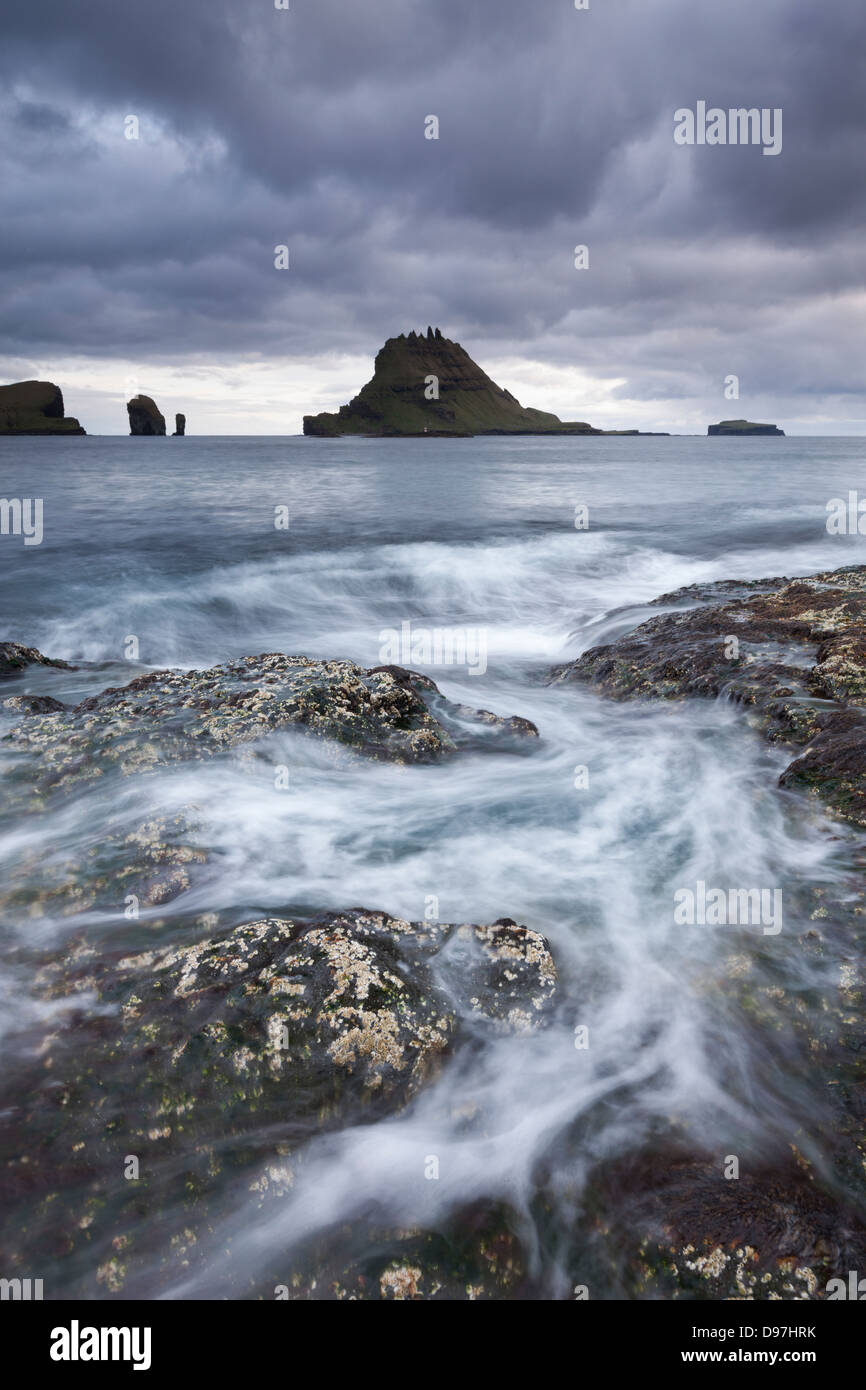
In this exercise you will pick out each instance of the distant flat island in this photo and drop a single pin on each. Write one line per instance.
(743, 427)
(424, 384)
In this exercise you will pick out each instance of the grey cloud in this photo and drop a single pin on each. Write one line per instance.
(260, 127)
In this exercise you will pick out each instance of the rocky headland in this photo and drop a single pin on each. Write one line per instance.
(35, 407)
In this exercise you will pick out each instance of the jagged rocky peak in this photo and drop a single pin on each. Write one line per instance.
(144, 416)
(425, 384)
(35, 407)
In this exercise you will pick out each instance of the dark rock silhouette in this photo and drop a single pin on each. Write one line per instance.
(35, 407)
(14, 658)
(144, 417)
(180, 425)
(424, 384)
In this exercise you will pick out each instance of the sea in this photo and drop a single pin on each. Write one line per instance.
(522, 553)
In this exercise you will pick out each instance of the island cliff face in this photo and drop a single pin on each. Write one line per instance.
(428, 385)
(34, 407)
(743, 427)
(144, 417)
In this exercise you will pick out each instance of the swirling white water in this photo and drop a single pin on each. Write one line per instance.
(173, 542)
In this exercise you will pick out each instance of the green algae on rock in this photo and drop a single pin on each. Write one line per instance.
(791, 651)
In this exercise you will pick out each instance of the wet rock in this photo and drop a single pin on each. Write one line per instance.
(223, 1054)
(33, 704)
(274, 1003)
(14, 658)
(502, 973)
(467, 726)
(142, 867)
(833, 766)
(792, 652)
(475, 1257)
(675, 1227)
(169, 716)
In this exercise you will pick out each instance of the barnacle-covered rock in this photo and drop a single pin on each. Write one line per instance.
(224, 1054)
(503, 973)
(15, 658)
(673, 1226)
(476, 1256)
(131, 868)
(168, 716)
(791, 652)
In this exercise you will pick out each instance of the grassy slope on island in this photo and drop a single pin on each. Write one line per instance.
(469, 402)
(34, 407)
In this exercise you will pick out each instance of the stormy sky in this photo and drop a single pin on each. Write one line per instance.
(148, 264)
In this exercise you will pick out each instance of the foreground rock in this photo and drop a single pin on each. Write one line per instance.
(144, 416)
(169, 716)
(739, 427)
(35, 407)
(674, 1227)
(15, 658)
(149, 864)
(476, 1256)
(797, 665)
(225, 1054)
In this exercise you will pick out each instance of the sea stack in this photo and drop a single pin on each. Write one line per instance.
(35, 407)
(179, 425)
(424, 384)
(737, 427)
(144, 417)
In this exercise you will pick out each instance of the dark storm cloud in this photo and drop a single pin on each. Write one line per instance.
(260, 127)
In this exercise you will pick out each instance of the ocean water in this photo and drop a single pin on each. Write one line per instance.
(173, 543)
